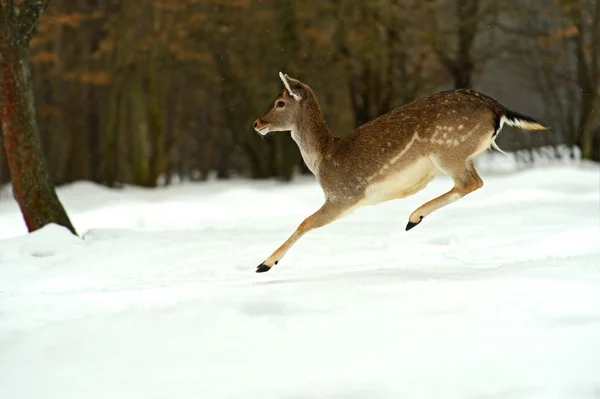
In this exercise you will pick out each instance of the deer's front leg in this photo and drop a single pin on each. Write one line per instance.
(326, 214)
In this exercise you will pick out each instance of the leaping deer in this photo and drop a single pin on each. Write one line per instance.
(392, 156)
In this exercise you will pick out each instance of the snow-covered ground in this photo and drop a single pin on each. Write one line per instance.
(495, 296)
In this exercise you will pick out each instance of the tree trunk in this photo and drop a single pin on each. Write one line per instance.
(463, 76)
(33, 188)
(4, 173)
(459, 62)
(464, 65)
(595, 155)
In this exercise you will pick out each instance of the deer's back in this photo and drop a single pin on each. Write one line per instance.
(402, 138)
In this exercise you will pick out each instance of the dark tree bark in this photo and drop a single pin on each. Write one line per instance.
(461, 65)
(587, 50)
(33, 188)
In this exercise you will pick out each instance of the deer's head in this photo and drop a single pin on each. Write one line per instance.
(282, 114)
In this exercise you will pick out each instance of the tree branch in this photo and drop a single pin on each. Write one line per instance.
(7, 4)
(595, 48)
(437, 42)
(28, 14)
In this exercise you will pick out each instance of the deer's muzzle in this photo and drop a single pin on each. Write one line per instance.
(260, 127)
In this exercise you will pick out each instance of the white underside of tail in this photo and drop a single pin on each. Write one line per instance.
(523, 124)
(496, 146)
(503, 120)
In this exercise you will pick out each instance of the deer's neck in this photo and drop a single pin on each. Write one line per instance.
(313, 137)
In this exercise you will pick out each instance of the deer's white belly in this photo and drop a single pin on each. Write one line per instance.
(400, 183)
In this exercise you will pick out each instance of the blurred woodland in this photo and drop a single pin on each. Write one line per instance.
(141, 92)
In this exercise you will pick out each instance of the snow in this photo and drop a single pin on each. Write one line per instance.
(495, 296)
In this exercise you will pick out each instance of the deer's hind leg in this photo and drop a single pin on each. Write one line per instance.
(466, 180)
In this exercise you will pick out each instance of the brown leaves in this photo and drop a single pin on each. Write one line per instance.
(73, 19)
(44, 57)
(98, 78)
(558, 34)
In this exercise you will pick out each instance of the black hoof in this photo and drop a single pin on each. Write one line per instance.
(410, 224)
(263, 268)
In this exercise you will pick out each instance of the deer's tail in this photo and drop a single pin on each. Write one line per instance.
(516, 119)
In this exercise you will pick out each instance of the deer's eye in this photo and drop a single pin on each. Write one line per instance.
(280, 104)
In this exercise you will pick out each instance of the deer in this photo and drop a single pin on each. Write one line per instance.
(390, 157)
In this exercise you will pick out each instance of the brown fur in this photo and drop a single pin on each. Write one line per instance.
(392, 156)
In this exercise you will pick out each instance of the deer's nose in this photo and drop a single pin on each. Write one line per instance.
(258, 124)
(261, 127)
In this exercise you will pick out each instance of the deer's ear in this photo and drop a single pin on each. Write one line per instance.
(284, 79)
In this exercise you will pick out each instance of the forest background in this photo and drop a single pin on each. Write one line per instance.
(143, 92)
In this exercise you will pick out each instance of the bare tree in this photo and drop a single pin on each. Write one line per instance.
(130, 93)
(454, 35)
(562, 52)
(584, 18)
(385, 57)
(32, 185)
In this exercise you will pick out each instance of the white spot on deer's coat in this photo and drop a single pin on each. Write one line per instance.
(464, 138)
(461, 127)
(397, 157)
(455, 142)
